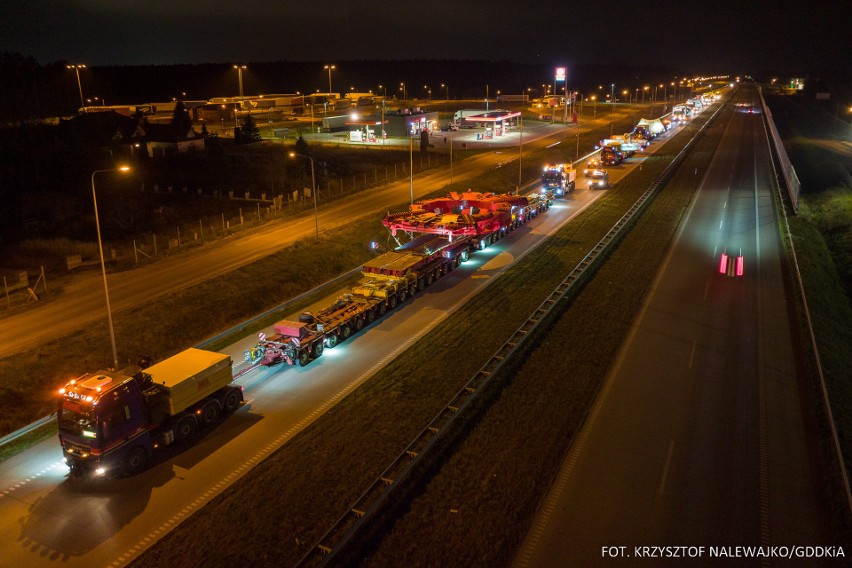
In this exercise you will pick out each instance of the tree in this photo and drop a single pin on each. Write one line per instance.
(249, 133)
(301, 145)
(181, 121)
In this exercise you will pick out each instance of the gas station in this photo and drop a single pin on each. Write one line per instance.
(496, 122)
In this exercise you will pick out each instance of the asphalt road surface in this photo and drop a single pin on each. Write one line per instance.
(697, 437)
(50, 519)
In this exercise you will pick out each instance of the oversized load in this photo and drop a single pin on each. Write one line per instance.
(654, 126)
(448, 229)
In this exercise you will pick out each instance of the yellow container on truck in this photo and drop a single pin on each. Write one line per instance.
(190, 376)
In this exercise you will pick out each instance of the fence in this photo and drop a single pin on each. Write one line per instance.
(791, 180)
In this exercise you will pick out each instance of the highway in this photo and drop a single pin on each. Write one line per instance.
(697, 437)
(51, 519)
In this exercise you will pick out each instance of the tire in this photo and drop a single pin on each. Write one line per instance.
(231, 401)
(318, 349)
(383, 309)
(210, 413)
(186, 428)
(370, 316)
(345, 332)
(304, 358)
(421, 283)
(135, 460)
(392, 301)
(412, 290)
(332, 340)
(430, 278)
(359, 323)
(402, 295)
(464, 256)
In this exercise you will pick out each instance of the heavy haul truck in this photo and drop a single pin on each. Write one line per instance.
(560, 179)
(449, 230)
(111, 422)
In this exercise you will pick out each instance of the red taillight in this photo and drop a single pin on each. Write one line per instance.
(740, 263)
(723, 264)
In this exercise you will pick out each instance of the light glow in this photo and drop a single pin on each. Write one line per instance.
(723, 264)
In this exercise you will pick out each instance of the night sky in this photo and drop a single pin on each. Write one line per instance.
(706, 37)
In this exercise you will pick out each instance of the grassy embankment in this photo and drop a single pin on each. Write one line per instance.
(28, 380)
(285, 503)
(822, 235)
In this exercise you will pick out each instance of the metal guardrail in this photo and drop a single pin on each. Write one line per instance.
(209, 341)
(791, 180)
(242, 326)
(838, 449)
(377, 494)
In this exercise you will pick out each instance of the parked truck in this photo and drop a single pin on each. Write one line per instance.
(560, 179)
(462, 118)
(111, 422)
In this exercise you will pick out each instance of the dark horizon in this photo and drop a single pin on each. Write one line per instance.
(737, 38)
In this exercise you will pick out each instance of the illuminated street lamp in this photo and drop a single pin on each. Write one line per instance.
(313, 190)
(594, 106)
(77, 68)
(612, 102)
(103, 265)
(446, 90)
(644, 90)
(239, 69)
(330, 68)
(404, 92)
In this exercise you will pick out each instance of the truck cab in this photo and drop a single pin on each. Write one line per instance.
(96, 414)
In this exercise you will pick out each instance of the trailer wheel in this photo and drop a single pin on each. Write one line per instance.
(318, 349)
(210, 413)
(135, 460)
(231, 401)
(359, 323)
(304, 358)
(371, 316)
(383, 309)
(421, 283)
(345, 332)
(464, 256)
(392, 301)
(185, 428)
(430, 278)
(332, 340)
(402, 295)
(412, 290)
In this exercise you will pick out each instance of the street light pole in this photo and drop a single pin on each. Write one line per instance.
(451, 157)
(520, 147)
(612, 103)
(103, 264)
(77, 68)
(239, 69)
(313, 190)
(329, 67)
(411, 165)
